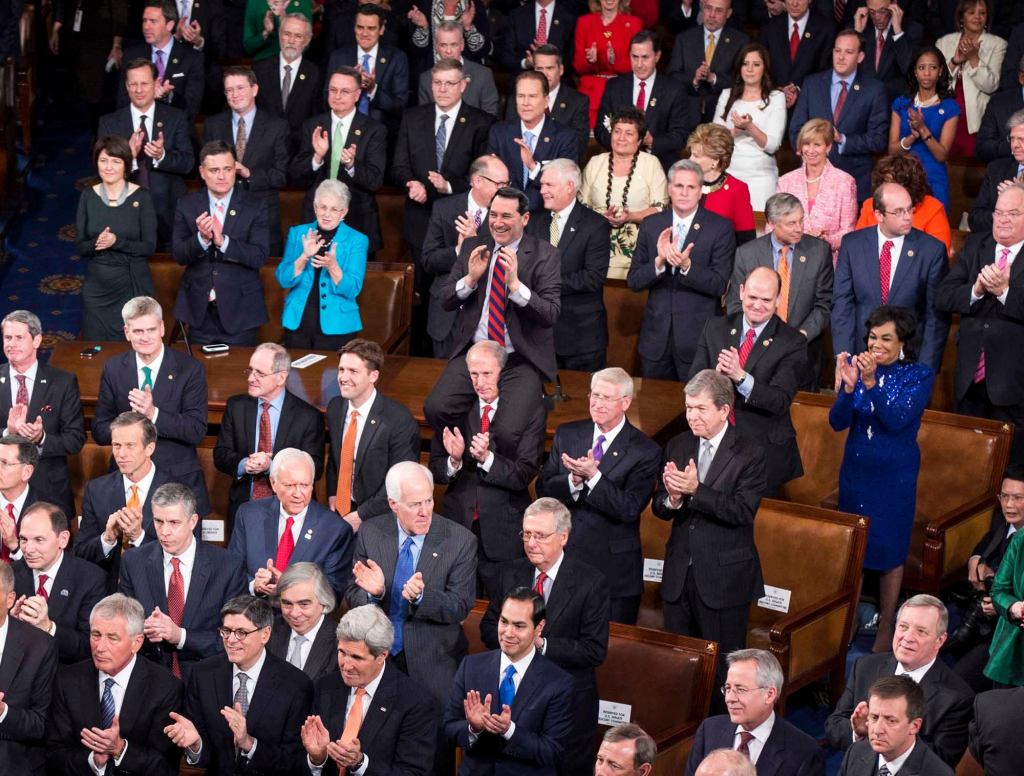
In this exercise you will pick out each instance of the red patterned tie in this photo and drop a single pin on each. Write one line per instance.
(885, 269)
(496, 303)
(879, 43)
(641, 97)
(979, 373)
(794, 42)
(286, 545)
(745, 347)
(22, 397)
(485, 426)
(41, 590)
(538, 586)
(745, 739)
(542, 27)
(176, 606)
(840, 102)
(5, 554)
(838, 10)
(261, 485)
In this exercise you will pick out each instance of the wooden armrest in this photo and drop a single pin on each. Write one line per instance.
(830, 500)
(934, 529)
(781, 629)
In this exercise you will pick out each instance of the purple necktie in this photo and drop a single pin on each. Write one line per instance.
(160, 64)
(599, 449)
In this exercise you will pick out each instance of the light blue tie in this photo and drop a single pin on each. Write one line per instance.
(364, 99)
(399, 606)
(441, 140)
(529, 137)
(507, 688)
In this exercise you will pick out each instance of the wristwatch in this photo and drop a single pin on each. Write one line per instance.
(355, 768)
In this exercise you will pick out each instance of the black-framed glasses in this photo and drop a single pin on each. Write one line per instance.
(239, 634)
(499, 184)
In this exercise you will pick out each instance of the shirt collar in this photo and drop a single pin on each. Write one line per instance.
(493, 405)
(294, 65)
(121, 678)
(154, 366)
(896, 765)
(248, 116)
(521, 666)
(836, 78)
(310, 635)
(648, 81)
(19, 502)
(716, 440)
(148, 113)
(762, 731)
(373, 684)
(51, 573)
(451, 113)
(187, 558)
(402, 536)
(29, 373)
(757, 329)
(253, 673)
(473, 207)
(897, 242)
(166, 48)
(226, 199)
(563, 214)
(1014, 249)
(372, 53)
(282, 515)
(917, 674)
(610, 435)
(364, 408)
(143, 484)
(552, 572)
(277, 402)
(537, 130)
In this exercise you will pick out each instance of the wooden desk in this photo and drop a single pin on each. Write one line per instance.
(656, 409)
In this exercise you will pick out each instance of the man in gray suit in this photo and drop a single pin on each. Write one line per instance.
(304, 634)
(480, 89)
(805, 302)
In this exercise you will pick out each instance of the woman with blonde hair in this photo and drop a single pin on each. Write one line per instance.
(711, 146)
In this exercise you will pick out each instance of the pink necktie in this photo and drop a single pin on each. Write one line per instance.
(22, 397)
(879, 43)
(885, 269)
(979, 373)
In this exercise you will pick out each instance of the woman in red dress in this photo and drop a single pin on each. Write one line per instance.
(602, 47)
(710, 146)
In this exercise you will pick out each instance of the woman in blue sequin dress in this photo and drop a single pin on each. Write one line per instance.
(881, 396)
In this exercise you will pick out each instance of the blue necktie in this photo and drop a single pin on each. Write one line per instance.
(507, 688)
(399, 606)
(107, 705)
(440, 141)
(364, 99)
(529, 138)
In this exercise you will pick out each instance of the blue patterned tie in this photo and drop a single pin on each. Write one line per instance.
(107, 705)
(440, 140)
(364, 99)
(529, 138)
(507, 688)
(399, 606)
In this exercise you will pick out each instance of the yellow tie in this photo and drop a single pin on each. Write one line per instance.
(133, 503)
(783, 307)
(709, 50)
(553, 235)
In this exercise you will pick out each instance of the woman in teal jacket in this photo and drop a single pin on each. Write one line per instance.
(1006, 653)
(323, 268)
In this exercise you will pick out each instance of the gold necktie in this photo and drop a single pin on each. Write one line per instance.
(783, 307)
(553, 235)
(133, 503)
(709, 50)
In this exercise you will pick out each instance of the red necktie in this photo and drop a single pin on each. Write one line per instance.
(542, 27)
(176, 606)
(485, 426)
(745, 739)
(286, 545)
(22, 397)
(261, 485)
(794, 42)
(838, 10)
(879, 43)
(496, 304)
(539, 584)
(745, 347)
(5, 554)
(840, 102)
(885, 269)
(641, 97)
(979, 373)
(41, 591)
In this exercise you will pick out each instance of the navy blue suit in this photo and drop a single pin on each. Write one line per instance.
(391, 75)
(326, 540)
(554, 142)
(863, 121)
(813, 54)
(183, 68)
(521, 31)
(27, 670)
(216, 577)
(541, 710)
(788, 749)
(857, 291)
(180, 393)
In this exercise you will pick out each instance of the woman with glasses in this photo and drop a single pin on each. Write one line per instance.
(322, 269)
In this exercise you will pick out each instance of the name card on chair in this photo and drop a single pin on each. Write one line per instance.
(653, 569)
(213, 530)
(611, 713)
(775, 598)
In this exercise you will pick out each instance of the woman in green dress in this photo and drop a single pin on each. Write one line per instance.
(1006, 653)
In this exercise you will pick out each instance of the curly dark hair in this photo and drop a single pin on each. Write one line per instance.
(906, 327)
(943, 87)
(904, 169)
(629, 115)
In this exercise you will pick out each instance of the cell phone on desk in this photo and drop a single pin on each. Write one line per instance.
(218, 347)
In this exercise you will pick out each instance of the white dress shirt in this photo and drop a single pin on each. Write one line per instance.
(30, 383)
(363, 413)
(142, 486)
(897, 249)
(186, 562)
(609, 437)
(4, 628)
(521, 298)
(486, 464)
(371, 690)
(453, 114)
(305, 646)
(51, 574)
(537, 132)
(151, 130)
(894, 766)
(760, 737)
(19, 504)
(154, 370)
(648, 88)
(1014, 250)
(345, 122)
(563, 218)
(117, 692)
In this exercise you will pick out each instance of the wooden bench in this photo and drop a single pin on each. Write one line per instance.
(962, 462)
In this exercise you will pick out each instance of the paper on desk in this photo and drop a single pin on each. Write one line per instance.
(307, 360)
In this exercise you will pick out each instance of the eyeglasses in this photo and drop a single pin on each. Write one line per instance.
(1014, 139)
(446, 84)
(1007, 213)
(499, 184)
(333, 92)
(250, 372)
(900, 212)
(598, 398)
(1012, 498)
(739, 692)
(336, 211)
(239, 634)
(540, 538)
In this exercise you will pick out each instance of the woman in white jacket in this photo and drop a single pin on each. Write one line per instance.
(975, 58)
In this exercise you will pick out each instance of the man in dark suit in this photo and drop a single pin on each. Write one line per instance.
(626, 750)
(984, 287)
(179, 66)
(453, 220)
(710, 488)
(486, 276)
(421, 569)
(243, 709)
(670, 114)
(920, 632)
(891, 264)
(368, 433)
(481, 91)
(290, 82)
(995, 740)
(503, 725)
(704, 57)
(532, 25)
(683, 259)
(164, 385)
(258, 424)
(576, 621)
(304, 634)
(56, 591)
(28, 663)
(117, 510)
(346, 145)
(1006, 169)
(765, 358)
(398, 732)
(854, 103)
(889, 41)
(260, 141)
(752, 688)
(992, 141)
(202, 24)
(799, 43)
(181, 582)
(113, 707)
(583, 240)
(603, 469)
(565, 105)
(19, 459)
(221, 236)
(808, 304)
(158, 135)
(527, 144)
(896, 711)
(47, 412)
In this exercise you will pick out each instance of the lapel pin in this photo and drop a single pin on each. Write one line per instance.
(42, 382)
(309, 534)
(767, 342)
(302, 76)
(653, 102)
(383, 708)
(807, 35)
(732, 332)
(561, 105)
(170, 377)
(159, 125)
(910, 253)
(373, 422)
(547, 139)
(434, 554)
(727, 40)
(3, 380)
(232, 212)
(615, 452)
(942, 111)
(555, 21)
(383, 61)
(572, 228)
(359, 132)
(135, 203)
(174, 61)
(462, 119)
(856, 87)
(803, 259)
(46, 408)
(697, 227)
(726, 187)
(64, 593)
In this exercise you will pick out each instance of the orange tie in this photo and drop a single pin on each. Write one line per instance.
(783, 307)
(343, 497)
(354, 718)
(133, 502)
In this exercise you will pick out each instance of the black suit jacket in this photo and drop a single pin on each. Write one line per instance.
(862, 760)
(995, 740)
(947, 706)
(78, 586)
(531, 327)
(55, 399)
(184, 69)
(584, 247)
(813, 54)
(301, 426)
(370, 139)
(216, 578)
(1008, 75)
(897, 56)
(266, 155)
(521, 31)
(180, 394)
(234, 274)
(570, 109)
(606, 520)
(787, 752)
(992, 140)
(304, 99)
(687, 56)
(415, 156)
(777, 363)
(389, 436)
(998, 170)
(27, 669)
(992, 546)
(987, 324)
(322, 655)
(391, 75)
(278, 706)
(399, 731)
(714, 528)
(554, 142)
(150, 697)
(670, 114)
(678, 305)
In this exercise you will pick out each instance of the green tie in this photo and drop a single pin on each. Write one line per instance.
(147, 380)
(337, 143)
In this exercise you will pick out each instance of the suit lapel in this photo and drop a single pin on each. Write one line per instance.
(373, 423)
(763, 343)
(562, 591)
(40, 393)
(571, 227)
(249, 411)
(616, 451)
(382, 701)
(355, 131)
(270, 527)
(263, 697)
(60, 589)
(905, 265)
(310, 533)
(797, 272)
(528, 687)
(197, 584)
(165, 377)
(155, 579)
(14, 653)
(722, 457)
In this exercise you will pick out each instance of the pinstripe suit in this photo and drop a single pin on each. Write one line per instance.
(434, 642)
